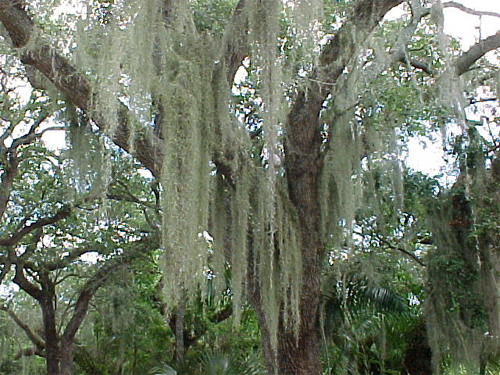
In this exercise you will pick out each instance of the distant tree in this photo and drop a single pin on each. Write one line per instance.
(463, 305)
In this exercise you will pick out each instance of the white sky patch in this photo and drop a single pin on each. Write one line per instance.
(425, 156)
(7, 291)
(54, 140)
(74, 7)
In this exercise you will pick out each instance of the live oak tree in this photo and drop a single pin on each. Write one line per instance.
(157, 77)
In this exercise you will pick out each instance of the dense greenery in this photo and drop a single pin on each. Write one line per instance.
(231, 196)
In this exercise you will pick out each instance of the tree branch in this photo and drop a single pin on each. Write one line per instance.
(11, 160)
(467, 59)
(304, 141)
(65, 261)
(74, 85)
(417, 64)
(11, 164)
(406, 252)
(7, 264)
(63, 213)
(127, 196)
(454, 4)
(236, 46)
(400, 52)
(28, 352)
(93, 284)
(34, 338)
(21, 280)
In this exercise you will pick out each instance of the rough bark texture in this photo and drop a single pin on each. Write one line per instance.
(303, 165)
(52, 359)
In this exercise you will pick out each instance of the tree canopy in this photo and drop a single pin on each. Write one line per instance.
(248, 156)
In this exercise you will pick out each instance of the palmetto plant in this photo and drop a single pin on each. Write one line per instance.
(218, 363)
(213, 363)
(373, 322)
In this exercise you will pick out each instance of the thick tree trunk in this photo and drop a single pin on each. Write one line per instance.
(66, 357)
(299, 352)
(51, 339)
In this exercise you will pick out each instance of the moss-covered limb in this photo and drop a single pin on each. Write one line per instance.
(229, 159)
(463, 304)
(236, 41)
(72, 84)
(196, 325)
(303, 128)
(304, 164)
(366, 14)
(399, 53)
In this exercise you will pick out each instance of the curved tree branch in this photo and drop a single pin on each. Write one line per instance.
(63, 213)
(21, 280)
(34, 338)
(93, 284)
(72, 84)
(454, 4)
(474, 53)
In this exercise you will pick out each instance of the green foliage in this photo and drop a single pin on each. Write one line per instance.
(214, 362)
(367, 327)
(125, 329)
(212, 15)
(114, 209)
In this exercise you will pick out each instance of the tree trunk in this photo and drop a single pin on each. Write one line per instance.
(66, 357)
(299, 352)
(51, 339)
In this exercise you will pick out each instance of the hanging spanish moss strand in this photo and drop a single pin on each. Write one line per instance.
(173, 82)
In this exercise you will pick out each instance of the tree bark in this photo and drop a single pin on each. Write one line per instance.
(66, 356)
(50, 335)
(299, 352)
